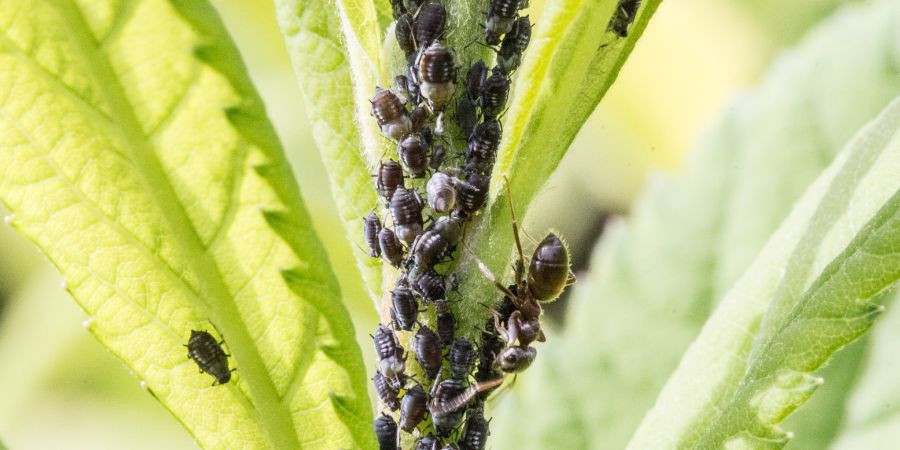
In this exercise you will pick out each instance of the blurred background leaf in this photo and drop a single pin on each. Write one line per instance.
(655, 280)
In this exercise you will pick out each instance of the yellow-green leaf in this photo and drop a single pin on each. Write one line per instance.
(136, 154)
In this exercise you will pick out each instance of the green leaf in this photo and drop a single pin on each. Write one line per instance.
(566, 70)
(311, 33)
(655, 277)
(808, 294)
(136, 154)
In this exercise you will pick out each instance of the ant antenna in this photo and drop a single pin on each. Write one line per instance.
(520, 264)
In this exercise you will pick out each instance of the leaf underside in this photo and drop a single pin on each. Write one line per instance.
(656, 277)
(136, 154)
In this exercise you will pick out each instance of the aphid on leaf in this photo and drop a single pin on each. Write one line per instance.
(371, 228)
(427, 347)
(438, 154)
(405, 308)
(481, 151)
(476, 430)
(471, 194)
(431, 286)
(388, 179)
(514, 44)
(386, 432)
(391, 251)
(428, 443)
(412, 408)
(494, 93)
(436, 71)
(390, 113)
(403, 30)
(466, 116)
(501, 17)
(449, 399)
(406, 209)
(413, 155)
(429, 24)
(462, 354)
(386, 392)
(475, 77)
(626, 11)
(441, 192)
(445, 323)
(391, 359)
(209, 356)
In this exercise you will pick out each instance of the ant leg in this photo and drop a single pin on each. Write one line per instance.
(488, 274)
(520, 264)
(501, 329)
(513, 326)
(571, 279)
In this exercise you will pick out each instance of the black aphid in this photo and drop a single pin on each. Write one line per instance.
(514, 43)
(494, 93)
(386, 432)
(445, 324)
(450, 227)
(429, 249)
(462, 354)
(398, 8)
(481, 151)
(501, 17)
(438, 154)
(436, 72)
(466, 116)
(431, 286)
(472, 193)
(405, 308)
(390, 247)
(413, 155)
(626, 11)
(476, 430)
(475, 77)
(390, 355)
(209, 356)
(427, 347)
(388, 179)
(390, 114)
(428, 443)
(403, 30)
(406, 209)
(371, 228)
(419, 117)
(429, 24)
(386, 392)
(412, 408)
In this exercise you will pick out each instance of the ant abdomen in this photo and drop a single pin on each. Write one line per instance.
(548, 273)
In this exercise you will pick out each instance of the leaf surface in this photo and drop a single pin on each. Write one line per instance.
(136, 154)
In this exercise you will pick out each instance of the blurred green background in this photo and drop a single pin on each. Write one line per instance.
(61, 389)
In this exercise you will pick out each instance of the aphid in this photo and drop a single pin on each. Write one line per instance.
(494, 93)
(412, 85)
(209, 356)
(431, 286)
(413, 155)
(438, 154)
(412, 408)
(392, 362)
(472, 193)
(481, 150)
(436, 74)
(430, 22)
(475, 78)
(501, 17)
(428, 443)
(388, 179)
(429, 249)
(385, 391)
(626, 11)
(450, 227)
(427, 347)
(390, 114)
(466, 116)
(445, 323)
(398, 8)
(391, 251)
(371, 229)
(386, 432)
(514, 44)
(403, 30)
(462, 353)
(406, 209)
(405, 308)
(476, 430)
(441, 193)
(419, 117)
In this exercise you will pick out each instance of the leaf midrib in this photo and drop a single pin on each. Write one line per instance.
(275, 419)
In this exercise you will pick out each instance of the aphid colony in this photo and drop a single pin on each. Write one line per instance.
(429, 194)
